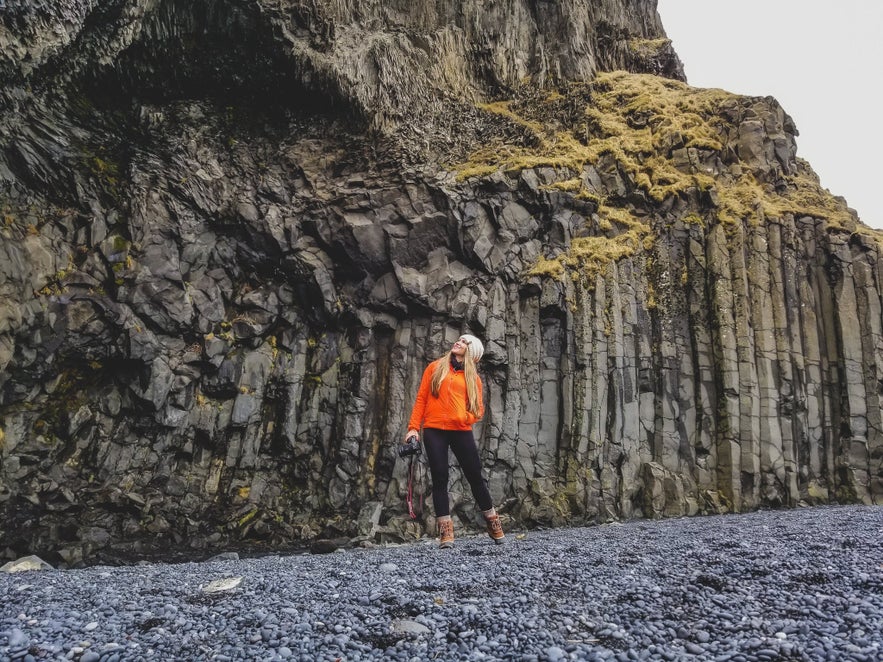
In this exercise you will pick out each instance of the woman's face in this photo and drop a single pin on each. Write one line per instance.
(460, 347)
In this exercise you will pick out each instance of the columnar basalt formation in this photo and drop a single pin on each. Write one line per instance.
(235, 232)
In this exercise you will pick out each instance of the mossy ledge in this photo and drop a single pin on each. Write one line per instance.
(666, 139)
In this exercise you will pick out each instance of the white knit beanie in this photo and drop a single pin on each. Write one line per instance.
(475, 348)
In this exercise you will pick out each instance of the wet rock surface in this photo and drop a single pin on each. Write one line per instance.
(804, 584)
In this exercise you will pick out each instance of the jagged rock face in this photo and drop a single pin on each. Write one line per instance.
(378, 60)
(230, 244)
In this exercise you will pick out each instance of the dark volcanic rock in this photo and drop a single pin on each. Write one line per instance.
(233, 234)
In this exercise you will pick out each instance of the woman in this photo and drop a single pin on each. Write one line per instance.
(448, 404)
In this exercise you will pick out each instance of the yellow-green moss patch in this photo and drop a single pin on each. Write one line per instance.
(589, 257)
(643, 126)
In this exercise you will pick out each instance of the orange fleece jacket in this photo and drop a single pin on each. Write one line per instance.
(448, 410)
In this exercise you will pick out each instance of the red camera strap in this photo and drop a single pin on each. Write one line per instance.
(411, 490)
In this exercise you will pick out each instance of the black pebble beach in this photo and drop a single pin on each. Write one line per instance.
(803, 584)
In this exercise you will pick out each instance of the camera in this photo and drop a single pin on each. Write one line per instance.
(410, 447)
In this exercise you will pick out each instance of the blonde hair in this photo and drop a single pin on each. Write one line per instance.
(443, 369)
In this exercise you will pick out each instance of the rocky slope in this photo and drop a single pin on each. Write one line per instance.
(235, 232)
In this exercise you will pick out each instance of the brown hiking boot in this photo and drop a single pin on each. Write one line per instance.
(495, 529)
(445, 533)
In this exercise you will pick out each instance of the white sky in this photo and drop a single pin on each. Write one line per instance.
(821, 59)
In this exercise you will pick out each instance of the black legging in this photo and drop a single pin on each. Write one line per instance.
(462, 443)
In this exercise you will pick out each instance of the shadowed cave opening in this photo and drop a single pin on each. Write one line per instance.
(219, 52)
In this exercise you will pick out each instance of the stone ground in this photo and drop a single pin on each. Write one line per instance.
(803, 584)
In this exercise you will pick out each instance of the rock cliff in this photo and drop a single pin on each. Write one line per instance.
(234, 233)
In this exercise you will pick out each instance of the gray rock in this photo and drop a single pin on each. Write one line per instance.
(405, 626)
(25, 563)
(227, 310)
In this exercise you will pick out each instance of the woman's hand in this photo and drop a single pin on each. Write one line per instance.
(411, 433)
